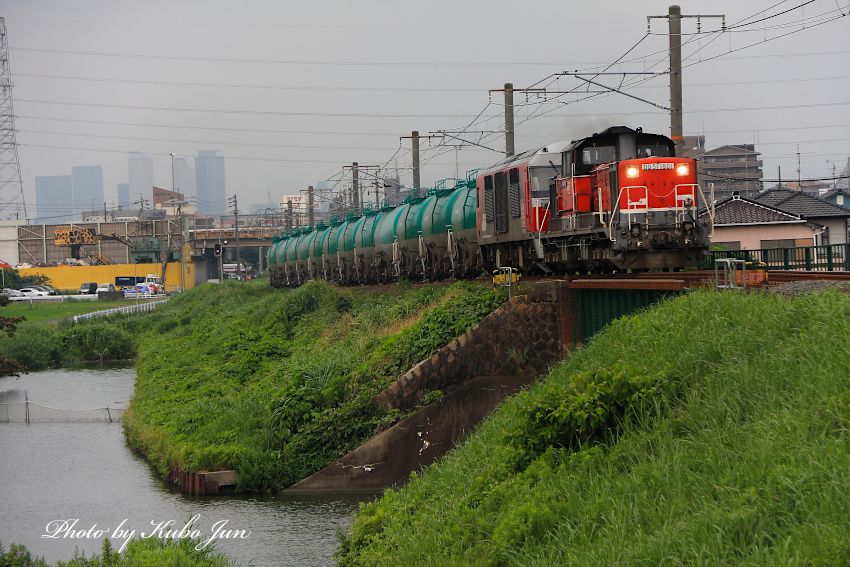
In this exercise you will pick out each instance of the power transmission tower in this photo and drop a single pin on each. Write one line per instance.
(12, 203)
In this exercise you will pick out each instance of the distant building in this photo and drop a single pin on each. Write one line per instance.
(165, 197)
(87, 183)
(140, 173)
(692, 146)
(209, 183)
(394, 191)
(173, 203)
(123, 194)
(732, 168)
(816, 188)
(832, 218)
(184, 177)
(54, 197)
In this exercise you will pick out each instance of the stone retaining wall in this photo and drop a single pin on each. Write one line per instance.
(521, 338)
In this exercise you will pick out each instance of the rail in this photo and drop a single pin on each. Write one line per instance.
(141, 307)
(825, 258)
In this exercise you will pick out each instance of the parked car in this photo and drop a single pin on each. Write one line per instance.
(105, 287)
(88, 288)
(46, 288)
(11, 292)
(33, 292)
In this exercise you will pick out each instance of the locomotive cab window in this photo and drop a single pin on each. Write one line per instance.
(598, 154)
(654, 150)
(540, 177)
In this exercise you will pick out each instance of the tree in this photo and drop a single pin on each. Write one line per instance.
(8, 366)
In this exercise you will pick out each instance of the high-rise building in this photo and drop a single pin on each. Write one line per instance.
(140, 177)
(184, 177)
(123, 191)
(209, 183)
(87, 183)
(54, 196)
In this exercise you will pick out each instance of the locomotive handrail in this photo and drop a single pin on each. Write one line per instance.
(628, 212)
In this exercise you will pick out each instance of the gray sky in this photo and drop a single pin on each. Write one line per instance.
(389, 67)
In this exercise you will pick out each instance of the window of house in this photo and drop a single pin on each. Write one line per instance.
(781, 243)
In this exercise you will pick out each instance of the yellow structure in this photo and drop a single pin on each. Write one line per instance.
(71, 277)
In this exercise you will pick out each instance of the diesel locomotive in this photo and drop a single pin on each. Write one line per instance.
(619, 199)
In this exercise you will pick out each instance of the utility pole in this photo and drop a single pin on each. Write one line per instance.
(414, 146)
(235, 203)
(799, 175)
(674, 25)
(414, 140)
(289, 223)
(355, 188)
(674, 19)
(378, 195)
(509, 120)
(311, 214)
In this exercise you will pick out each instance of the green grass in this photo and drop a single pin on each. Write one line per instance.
(45, 312)
(710, 430)
(149, 552)
(277, 384)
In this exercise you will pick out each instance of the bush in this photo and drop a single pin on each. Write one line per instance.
(35, 347)
(96, 342)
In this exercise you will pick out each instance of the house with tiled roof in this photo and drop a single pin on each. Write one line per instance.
(839, 197)
(746, 224)
(816, 210)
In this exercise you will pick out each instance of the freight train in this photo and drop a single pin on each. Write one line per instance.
(617, 200)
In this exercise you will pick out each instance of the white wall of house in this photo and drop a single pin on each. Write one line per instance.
(751, 237)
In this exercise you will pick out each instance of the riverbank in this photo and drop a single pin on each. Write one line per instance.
(712, 429)
(101, 481)
(275, 384)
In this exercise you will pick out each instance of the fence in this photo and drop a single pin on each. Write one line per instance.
(126, 310)
(29, 412)
(827, 258)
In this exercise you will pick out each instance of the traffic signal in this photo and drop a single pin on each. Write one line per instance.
(217, 250)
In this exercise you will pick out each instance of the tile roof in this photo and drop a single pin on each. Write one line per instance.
(801, 204)
(738, 210)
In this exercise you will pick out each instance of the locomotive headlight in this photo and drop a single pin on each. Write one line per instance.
(682, 169)
(632, 172)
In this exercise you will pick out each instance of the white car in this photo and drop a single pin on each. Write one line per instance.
(33, 292)
(105, 287)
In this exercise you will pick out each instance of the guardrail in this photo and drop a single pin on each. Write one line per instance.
(827, 258)
(141, 307)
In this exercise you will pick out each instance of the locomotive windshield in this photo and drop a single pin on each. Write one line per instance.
(654, 150)
(540, 177)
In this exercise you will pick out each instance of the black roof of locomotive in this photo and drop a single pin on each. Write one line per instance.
(614, 131)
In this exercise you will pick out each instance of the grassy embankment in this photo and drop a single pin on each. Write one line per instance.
(47, 338)
(711, 430)
(277, 384)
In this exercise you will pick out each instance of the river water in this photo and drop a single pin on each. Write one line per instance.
(84, 471)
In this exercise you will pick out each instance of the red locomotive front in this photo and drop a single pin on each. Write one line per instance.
(618, 199)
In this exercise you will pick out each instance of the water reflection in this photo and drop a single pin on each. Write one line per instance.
(84, 471)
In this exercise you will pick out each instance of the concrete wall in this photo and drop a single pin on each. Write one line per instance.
(388, 458)
(521, 338)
